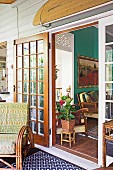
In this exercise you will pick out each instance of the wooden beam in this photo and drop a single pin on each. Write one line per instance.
(7, 1)
(56, 9)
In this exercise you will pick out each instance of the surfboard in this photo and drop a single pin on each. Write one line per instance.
(7, 1)
(56, 9)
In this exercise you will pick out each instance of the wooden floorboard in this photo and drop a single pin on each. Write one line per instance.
(84, 147)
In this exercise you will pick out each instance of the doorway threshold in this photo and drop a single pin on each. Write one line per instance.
(77, 153)
(89, 165)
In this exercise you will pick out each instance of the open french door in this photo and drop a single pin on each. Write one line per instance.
(106, 78)
(31, 82)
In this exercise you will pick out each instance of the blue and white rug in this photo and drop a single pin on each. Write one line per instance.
(42, 160)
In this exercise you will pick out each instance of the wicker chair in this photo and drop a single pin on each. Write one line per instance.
(87, 100)
(16, 137)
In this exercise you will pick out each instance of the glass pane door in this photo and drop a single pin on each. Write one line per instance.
(32, 83)
(105, 78)
(109, 71)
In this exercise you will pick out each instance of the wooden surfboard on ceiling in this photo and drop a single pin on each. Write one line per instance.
(56, 9)
(7, 1)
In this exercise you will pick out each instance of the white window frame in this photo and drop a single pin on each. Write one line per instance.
(102, 100)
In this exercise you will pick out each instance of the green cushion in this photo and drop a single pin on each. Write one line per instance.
(3, 115)
(13, 116)
(7, 143)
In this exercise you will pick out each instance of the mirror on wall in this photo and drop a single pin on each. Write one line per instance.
(3, 70)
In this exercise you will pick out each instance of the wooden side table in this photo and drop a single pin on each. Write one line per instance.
(107, 135)
(68, 136)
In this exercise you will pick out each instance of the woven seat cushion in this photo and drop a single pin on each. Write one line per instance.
(12, 117)
(7, 143)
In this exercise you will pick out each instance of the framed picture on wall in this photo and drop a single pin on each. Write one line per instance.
(87, 72)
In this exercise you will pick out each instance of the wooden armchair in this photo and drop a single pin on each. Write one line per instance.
(80, 121)
(86, 100)
(16, 136)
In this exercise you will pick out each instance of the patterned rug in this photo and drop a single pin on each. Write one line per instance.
(42, 160)
(93, 133)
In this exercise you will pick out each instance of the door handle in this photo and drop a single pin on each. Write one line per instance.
(14, 87)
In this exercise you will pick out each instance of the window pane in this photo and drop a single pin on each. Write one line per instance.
(109, 33)
(33, 87)
(19, 72)
(32, 47)
(32, 100)
(33, 126)
(19, 50)
(26, 74)
(40, 88)
(19, 63)
(26, 49)
(33, 61)
(25, 96)
(33, 74)
(109, 53)
(26, 61)
(19, 87)
(40, 128)
(26, 87)
(40, 74)
(109, 110)
(40, 101)
(40, 115)
(40, 60)
(33, 114)
(109, 72)
(40, 46)
(19, 98)
(109, 91)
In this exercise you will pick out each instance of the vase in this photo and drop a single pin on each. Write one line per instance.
(68, 125)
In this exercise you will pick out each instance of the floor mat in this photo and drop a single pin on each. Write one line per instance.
(42, 160)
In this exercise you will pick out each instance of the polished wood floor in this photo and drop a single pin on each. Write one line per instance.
(84, 146)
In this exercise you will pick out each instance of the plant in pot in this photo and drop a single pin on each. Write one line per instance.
(65, 110)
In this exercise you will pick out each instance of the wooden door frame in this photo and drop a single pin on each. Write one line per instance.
(53, 74)
(38, 139)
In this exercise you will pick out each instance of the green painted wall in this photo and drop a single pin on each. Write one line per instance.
(85, 44)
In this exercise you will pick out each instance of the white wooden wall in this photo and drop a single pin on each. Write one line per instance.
(15, 23)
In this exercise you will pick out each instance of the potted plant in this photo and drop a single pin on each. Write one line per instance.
(65, 110)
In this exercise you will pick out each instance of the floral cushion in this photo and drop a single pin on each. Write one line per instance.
(7, 143)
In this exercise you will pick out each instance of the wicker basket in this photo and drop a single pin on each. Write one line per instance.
(68, 125)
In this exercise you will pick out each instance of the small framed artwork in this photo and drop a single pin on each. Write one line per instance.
(87, 72)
